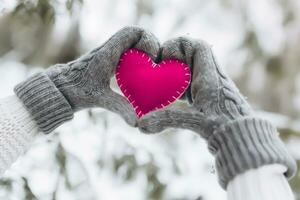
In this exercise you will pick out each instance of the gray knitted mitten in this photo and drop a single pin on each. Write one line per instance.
(220, 114)
(52, 97)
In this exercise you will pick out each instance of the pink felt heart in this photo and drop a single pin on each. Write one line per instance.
(149, 86)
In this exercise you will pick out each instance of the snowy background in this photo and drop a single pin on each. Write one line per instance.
(97, 155)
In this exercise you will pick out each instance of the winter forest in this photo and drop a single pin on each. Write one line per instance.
(97, 155)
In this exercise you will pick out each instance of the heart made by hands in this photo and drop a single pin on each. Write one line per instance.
(149, 86)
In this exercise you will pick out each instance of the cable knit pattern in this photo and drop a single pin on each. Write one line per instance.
(17, 130)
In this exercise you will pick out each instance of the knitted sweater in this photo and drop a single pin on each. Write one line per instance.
(18, 129)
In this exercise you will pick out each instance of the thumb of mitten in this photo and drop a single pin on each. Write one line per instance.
(118, 104)
(185, 118)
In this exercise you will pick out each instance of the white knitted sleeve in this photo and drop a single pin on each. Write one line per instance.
(17, 131)
(264, 183)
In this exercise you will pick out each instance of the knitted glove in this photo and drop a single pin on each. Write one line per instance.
(220, 114)
(53, 96)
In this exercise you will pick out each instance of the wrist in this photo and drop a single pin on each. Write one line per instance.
(47, 105)
(245, 144)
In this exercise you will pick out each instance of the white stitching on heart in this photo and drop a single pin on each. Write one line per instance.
(175, 97)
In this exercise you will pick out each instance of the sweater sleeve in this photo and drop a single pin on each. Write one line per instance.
(17, 131)
(264, 183)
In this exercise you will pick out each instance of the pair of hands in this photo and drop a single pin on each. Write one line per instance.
(216, 111)
(213, 97)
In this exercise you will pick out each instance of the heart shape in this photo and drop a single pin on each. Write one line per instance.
(149, 86)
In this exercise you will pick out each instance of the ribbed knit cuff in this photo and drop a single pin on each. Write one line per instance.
(245, 144)
(47, 105)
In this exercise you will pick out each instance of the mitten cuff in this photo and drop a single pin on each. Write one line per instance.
(47, 105)
(245, 144)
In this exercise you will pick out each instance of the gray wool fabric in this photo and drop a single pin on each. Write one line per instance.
(245, 144)
(53, 97)
(48, 107)
(220, 114)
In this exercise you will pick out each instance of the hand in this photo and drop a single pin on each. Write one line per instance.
(52, 97)
(85, 82)
(220, 114)
(214, 98)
